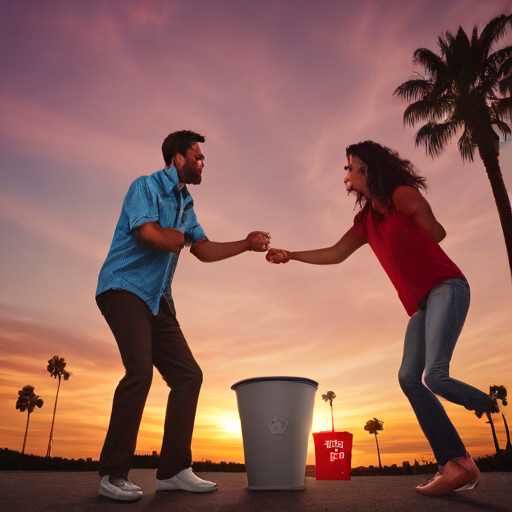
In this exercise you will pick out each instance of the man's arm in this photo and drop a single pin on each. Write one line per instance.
(208, 251)
(161, 239)
(410, 201)
(339, 252)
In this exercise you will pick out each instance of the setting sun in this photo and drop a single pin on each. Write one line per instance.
(231, 427)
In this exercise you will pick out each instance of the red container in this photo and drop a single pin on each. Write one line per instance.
(333, 455)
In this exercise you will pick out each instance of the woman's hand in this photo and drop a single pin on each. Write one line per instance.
(277, 256)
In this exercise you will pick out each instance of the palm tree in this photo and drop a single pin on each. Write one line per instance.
(508, 448)
(28, 400)
(500, 393)
(494, 436)
(373, 427)
(329, 397)
(466, 88)
(56, 370)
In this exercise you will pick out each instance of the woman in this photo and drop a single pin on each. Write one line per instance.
(398, 223)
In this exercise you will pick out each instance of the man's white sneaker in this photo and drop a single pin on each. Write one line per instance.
(118, 487)
(185, 481)
(122, 480)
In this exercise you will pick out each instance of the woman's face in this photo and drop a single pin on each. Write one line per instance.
(355, 178)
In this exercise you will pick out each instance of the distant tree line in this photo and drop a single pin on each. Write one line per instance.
(11, 460)
(15, 461)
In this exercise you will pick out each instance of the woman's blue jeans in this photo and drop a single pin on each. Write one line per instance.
(429, 343)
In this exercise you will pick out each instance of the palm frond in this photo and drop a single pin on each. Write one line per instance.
(493, 32)
(474, 37)
(475, 53)
(501, 60)
(499, 392)
(504, 72)
(374, 425)
(420, 110)
(449, 38)
(505, 85)
(443, 45)
(435, 136)
(458, 54)
(413, 89)
(461, 44)
(506, 67)
(466, 146)
(329, 396)
(487, 87)
(429, 108)
(429, 60)
(503, 127)
(502, 108)
(28, 400)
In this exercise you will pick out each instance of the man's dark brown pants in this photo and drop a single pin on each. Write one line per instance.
(145, 340)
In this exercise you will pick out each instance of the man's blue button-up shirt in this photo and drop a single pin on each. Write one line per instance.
(133, 266)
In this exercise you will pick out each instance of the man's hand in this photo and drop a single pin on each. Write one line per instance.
(277, 256)
(208, 251)
(259, 241)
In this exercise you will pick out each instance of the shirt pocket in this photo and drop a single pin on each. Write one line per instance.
(186, 215)
(168, 213)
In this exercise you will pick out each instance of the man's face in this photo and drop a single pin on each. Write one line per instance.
(355, 178)
(190, 166)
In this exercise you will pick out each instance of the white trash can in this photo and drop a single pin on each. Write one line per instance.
(276, 414)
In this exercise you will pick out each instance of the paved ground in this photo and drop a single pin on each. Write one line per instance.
(70, 492)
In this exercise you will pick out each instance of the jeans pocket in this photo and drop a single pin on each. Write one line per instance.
(463, 292)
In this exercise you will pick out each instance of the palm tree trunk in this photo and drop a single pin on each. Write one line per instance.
(332, 418)
(490, 159)
(509, 446)
(50, 442)
(378, 452)
(494, 433)
(26, 432)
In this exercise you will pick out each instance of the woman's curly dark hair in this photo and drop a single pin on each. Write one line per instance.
(385, 171)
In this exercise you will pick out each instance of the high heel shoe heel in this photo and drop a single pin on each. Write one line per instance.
(468, 487)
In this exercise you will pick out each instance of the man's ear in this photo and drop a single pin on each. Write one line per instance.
(178, 160)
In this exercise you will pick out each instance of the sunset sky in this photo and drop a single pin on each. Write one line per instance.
(88, 92)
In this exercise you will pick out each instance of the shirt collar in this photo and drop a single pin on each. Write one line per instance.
(174, 181)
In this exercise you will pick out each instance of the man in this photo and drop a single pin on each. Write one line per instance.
(134, 296)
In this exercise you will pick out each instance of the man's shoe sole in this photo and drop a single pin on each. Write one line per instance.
(120, 497)
(177, 488)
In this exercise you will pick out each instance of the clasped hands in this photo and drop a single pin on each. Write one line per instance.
(277, 256)
(259, 241)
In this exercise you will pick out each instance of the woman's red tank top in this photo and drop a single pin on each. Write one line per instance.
(414, 262)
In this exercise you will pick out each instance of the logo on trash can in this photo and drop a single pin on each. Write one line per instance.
(278, 426)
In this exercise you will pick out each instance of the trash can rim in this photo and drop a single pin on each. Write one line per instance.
(252, 380)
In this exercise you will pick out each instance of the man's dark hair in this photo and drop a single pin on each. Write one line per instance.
(179, 142)
(385, 171)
